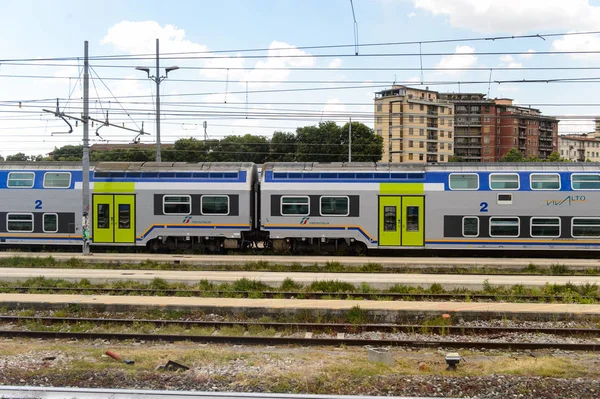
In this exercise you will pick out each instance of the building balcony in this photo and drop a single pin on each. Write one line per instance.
(432, 147)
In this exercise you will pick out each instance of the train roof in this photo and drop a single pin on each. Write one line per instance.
(451, 167)
(130, 166)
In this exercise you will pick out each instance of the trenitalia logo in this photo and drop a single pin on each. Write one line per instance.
(187, 219)
(569, 200)
(304, 220)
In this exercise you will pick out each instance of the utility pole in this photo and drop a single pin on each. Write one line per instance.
(204, 124)
(85, 189)
(157, 80)
(350, 142)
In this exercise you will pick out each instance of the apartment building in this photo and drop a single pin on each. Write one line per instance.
(580, 147)
(415, 124)
(485, 130)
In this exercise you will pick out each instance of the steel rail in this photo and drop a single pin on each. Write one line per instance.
(334, 327)
(298, 341)
(394, 296)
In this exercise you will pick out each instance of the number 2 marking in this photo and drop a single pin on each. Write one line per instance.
(38, 204)
(484, 206)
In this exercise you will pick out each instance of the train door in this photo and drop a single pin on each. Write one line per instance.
(114, 218)
(401, 221)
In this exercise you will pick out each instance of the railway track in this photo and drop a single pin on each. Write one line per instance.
(306, 340)
(393, 296)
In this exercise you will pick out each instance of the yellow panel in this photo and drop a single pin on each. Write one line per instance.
(401, 188)
(116, 187)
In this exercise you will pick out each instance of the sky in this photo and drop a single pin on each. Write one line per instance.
(302, 68)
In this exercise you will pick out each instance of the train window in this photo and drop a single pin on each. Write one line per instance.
(504, 199)
(50, 223)
(295, 206)
(464, 181)
(177, 204)
(215, 204)
(335, 206)
(504, 181)
(412, 218)
(585, 181)
(124, 216)
(103, 221)
(545, 227)
(19, 222)
(389, 218)
(57, 180)
(21, 179)
(504, 227)
(470, 226)
(545, 181)
(586, 227)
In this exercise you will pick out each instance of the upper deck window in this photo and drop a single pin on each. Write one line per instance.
(504, 181)
(57, 180)
(582, 181)
(545, 181)
(20, 179)
(464, 181)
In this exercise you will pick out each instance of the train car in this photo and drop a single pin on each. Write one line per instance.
(163, 206)
(324, 207)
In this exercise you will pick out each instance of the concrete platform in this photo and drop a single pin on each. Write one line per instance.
(274, 279)
(390, 262)
(388, 311)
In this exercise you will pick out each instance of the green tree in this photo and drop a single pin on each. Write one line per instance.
(456, 158)
(68, 153)
(247, 148)
(18, 157)
(283, 147)
(555, 157)
(513, 155)
(366, 145)
(322, 143)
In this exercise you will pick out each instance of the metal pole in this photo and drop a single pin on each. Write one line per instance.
(157, 105)
(85, 189)
(350, 142)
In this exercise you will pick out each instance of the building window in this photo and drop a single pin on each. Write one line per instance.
(410, 130)
(50, 223)
(442, 157)
(421, 132)
(420, 157)
(421, 144)
(379, 119)
(449, 135)
(411, 106)
(410, 157)
(411, 118)
(450, 146)
(470, 226)
(504, 181)
(421, 107)
(467, 181)
(450, 121)
(421, 119)
(586, 227)
(57, 180)
(585, 181)
(441, 146)
(379, 132)
(177, 204)
(504, 227)
(19, 222)
(441, 133)
(545, 181)
(442, 122)
(215, 204)
(486, 119)
(410, 143)
(379, 107)
(21, 179)
(545, 227)
(336, 206)
(295, 206)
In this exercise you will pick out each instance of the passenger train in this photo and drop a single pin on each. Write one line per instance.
(303, 207)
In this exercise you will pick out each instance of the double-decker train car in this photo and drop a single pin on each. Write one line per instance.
(304, 207)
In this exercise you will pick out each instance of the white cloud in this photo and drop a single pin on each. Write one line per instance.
(275, 69)
(509, 62)
(335, 63)
(333, 107)
(507, 58)
(412, 15)
(465, 60)
(578, 43)
(515, 16)
(529, 54)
